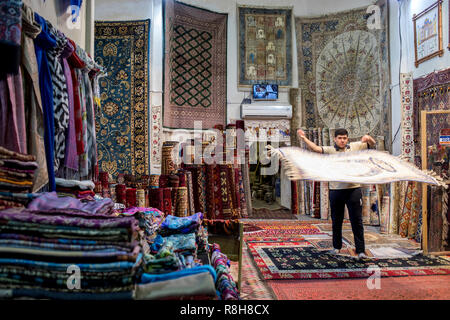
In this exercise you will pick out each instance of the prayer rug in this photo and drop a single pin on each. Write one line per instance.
(297, 260)
(343, 62)
(265, 45)
(122, 47)
(395, 288)
(195, 83)
(366, 167)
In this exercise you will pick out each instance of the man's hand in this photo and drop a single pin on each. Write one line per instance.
(368, 139)
(301, 133)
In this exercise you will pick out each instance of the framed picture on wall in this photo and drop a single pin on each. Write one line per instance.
(428, 33)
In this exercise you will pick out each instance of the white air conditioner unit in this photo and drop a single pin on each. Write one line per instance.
(266, 110)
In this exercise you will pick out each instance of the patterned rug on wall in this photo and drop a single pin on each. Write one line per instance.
(343, 62)
(122, 47)
(195, 84)
(300, 260)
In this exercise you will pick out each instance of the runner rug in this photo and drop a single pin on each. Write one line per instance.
(195, 82)
(299, 260)
(122, 47)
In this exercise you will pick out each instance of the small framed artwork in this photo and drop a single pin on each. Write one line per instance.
(428, 33)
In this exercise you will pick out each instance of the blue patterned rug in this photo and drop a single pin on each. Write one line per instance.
(122, 47)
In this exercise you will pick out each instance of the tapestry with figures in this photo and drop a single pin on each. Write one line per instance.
(122, 123)
(265, 46)
(195, 76)
(343, 70)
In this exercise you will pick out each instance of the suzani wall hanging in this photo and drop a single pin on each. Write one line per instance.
(122, 123)
(265, 46)
(343, 70)
(195, 66)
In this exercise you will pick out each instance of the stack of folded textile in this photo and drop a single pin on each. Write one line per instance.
(224, 282)
(83, 190)
(71, 250)
(16, 178)
(194, 283)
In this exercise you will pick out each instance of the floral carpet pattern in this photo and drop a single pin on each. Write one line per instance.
(122, 47)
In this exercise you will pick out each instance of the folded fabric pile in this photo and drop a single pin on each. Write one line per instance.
(196, 283)
(224, 282)
(16, 178)
(83, 190)
(67, 252)
(50, 201)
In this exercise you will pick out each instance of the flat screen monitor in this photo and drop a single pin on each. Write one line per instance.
(265, 92)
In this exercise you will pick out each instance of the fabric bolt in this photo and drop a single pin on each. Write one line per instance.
(82, 185)
(131, 197)
(43, 42)
(167, 201)
(190, 186)
(156, 198)
(181, 202)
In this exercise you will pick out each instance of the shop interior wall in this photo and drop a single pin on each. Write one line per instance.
(59, 15)
(403, 60)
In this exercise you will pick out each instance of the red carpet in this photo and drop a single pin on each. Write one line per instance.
(399, 288)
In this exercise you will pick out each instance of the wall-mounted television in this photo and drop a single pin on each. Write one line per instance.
(265, 92)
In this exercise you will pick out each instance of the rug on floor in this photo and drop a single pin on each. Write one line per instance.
(280, 230)
(253, 286)
(300, 260)
(395, 288)
(264, 213)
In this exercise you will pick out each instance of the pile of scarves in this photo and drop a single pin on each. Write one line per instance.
(61, 248)
(224, 283)
(82, 190)
(16, 178)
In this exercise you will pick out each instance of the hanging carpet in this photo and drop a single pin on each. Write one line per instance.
(195, 84)
(343, 62)
(122, 47)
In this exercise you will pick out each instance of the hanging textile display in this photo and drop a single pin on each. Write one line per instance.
(195, 82)
(265, 45)
(406, 100)
(32, 98)
(343, 42)
(122, 122)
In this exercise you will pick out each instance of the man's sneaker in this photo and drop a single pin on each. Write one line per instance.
(361, 256)
(333, 251)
